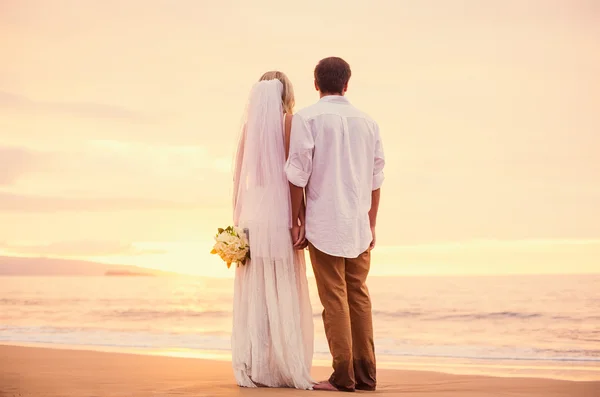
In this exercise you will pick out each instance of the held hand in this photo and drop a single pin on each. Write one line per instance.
(298, 236)
(303, 243)
(373, 241)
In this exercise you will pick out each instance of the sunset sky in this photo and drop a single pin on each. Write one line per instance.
(118, 121)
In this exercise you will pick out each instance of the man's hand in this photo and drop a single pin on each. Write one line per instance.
(375, 195)
(298, 236)
(373, 241)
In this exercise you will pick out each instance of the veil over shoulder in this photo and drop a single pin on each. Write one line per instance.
(259, 177)
(260, 144)
(272, 338)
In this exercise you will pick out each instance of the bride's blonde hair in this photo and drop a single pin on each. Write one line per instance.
(287, 96)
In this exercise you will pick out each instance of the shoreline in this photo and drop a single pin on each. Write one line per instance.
(42, 372)
(534, 369)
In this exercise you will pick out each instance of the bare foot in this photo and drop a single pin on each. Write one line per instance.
(324, 386)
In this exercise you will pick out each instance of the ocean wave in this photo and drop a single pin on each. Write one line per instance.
(399, 313)
(456, 316)
(474, 316)
(491, 357)
(207, 342)
(113, 338)
(137, 314)
(489, 316)
(40, 302)
(20, 302)
(146, 314)
(588, 353)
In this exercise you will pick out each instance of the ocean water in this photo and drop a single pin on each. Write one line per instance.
(543, 326)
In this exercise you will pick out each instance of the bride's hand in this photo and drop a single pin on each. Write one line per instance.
(298, 236)
(303, 243)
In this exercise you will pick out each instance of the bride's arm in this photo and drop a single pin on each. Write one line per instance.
(287, 134)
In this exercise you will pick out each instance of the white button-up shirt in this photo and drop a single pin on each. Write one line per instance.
(336, 154)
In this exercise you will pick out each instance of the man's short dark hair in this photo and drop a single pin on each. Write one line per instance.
(332, 75)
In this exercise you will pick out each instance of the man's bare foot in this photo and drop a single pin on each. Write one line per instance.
(325, 386)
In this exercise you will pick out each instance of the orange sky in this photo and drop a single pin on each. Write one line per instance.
(117, 124)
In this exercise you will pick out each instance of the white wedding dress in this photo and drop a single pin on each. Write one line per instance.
(272, 339)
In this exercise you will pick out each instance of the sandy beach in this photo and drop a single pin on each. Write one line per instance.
(26, 371)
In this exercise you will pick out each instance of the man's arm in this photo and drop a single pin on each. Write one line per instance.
(297, 197)
(378, 177)
(301, 212)
(298, 170)
(375, 195)
(374, 207)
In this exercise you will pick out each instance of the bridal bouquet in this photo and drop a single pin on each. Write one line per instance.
(232, 245)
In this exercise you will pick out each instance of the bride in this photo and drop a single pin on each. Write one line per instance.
(272, 340)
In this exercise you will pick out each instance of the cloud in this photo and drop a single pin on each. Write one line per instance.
(81, 109)
(188, 173)
(111, 176)
(14, 162)
(540, 256)
(10, 202)
(78, 248)
(489, 244)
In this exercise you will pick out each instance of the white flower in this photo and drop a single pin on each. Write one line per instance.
(231, 244)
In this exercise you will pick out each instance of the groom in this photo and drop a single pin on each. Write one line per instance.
(337, 156)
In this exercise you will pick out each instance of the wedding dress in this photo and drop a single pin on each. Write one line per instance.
(272, 338)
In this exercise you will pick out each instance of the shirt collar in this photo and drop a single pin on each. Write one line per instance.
(334, 99)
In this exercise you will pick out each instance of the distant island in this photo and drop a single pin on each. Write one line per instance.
(17, 266)
(126, 273)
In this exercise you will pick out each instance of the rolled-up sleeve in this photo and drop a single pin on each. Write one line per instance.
(379, 162)
(299, 164)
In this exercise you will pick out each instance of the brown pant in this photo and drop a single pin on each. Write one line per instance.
(347, 318)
